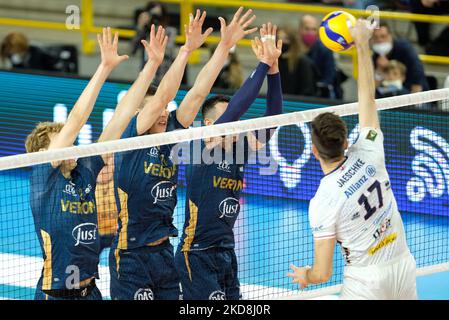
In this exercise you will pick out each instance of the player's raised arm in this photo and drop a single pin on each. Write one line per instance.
(127, 107)
(169, 85)
(268, 46)
(243, 99)
(83, 107)
(361, 34)
(274, 92)
(230, 35)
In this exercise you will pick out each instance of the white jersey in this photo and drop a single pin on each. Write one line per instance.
(355, 204)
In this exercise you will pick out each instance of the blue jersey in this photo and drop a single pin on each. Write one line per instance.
(146, 181)
(65, 218)
(213, 200)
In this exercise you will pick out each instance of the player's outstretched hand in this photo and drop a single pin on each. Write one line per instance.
(194, 36)
(299, 276)
(267, 49)
(155, 49)
(237, 29)
(362, 31)
(108, 47)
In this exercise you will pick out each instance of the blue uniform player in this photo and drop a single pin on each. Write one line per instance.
(142, 258)
(205, 258)
(64, 212)
(62, 193)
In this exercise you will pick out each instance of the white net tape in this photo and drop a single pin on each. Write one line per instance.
(147, 141)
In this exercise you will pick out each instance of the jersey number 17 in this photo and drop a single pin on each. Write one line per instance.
(363, 200)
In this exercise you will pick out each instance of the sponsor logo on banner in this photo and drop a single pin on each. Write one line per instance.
(430, 165)
(85, 233)
(217, 295)
(144, 294)
(290, 174)
(229, 207)
(163, 191)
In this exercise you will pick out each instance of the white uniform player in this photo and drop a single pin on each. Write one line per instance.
(356, 205)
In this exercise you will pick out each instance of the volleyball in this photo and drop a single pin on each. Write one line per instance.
(334, 31)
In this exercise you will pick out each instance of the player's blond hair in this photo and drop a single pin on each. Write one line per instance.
(39, 138)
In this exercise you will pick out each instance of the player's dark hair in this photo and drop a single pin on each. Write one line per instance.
(210, 103)
(329, 134)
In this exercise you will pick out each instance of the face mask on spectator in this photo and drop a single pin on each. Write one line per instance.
(383, 48)
(16, 58)
(309, 38)
(393, 83)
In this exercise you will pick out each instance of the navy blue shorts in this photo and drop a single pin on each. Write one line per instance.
(95, 294)
(145, 273)
(209, 274)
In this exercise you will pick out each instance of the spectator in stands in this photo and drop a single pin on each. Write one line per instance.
(393, 80)
(386, 48)
(154, 13)
(427, 7)
(231, 76)
(16, 51)
(320, 55)
(299, 75)
(363, 4)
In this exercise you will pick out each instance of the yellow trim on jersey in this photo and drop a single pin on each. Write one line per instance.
(123, 216)
(190, 230)
(106, 208)
(117, 259)
(383, 243)
(186, 258)
(46, 282)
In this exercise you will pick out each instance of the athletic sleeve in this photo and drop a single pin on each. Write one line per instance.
(370, 140)
(245, 96)
(274, 105)
(322, 218)
(274, 95)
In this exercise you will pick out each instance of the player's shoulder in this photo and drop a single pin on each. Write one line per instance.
(369, 140)
(370, 134)
(325, 197)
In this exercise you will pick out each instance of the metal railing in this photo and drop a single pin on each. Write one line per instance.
(87, 26)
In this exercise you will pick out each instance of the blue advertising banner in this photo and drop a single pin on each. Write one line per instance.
(417, 158)
(416, 143)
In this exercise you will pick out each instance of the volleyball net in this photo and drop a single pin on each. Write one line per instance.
(271, 230)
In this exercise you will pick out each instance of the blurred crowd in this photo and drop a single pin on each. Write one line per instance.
(307, 67)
